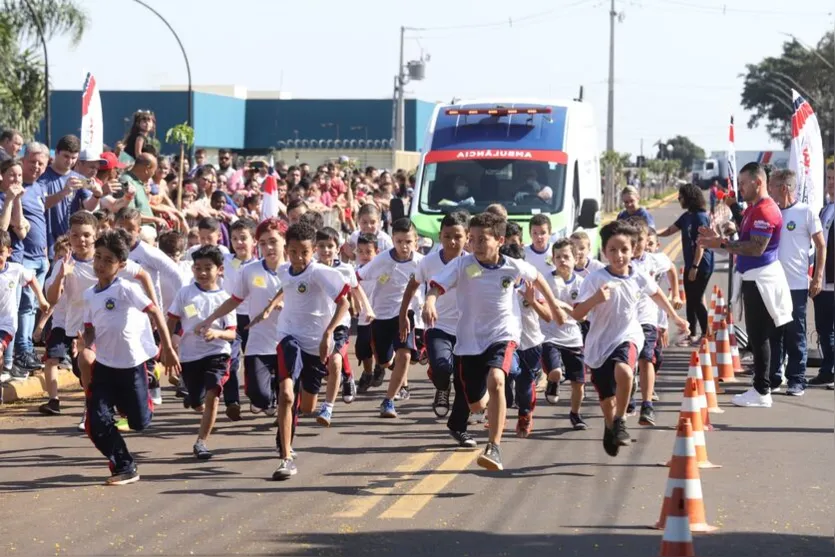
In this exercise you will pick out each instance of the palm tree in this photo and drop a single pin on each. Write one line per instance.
(55, 17)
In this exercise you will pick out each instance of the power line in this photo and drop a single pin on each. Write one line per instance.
(725, 9)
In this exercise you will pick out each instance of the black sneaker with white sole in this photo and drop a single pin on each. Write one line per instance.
(647, 415)
(440, 405)
(577, 421)
(379, 376)
(464, 439)
(610, 444)
(349, 390)
(491, 458)
(622, 437)
(51, 408)
(201, 451)
(365, 382)
(821, 381)
(18, 374)
(552, 392)
(129, 476)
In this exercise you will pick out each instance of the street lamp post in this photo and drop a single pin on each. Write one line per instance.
(39, 24)
(190, 117)
(331, 125)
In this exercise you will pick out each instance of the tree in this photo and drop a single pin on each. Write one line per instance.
(683, 150)
(767, 87)
(181, 134)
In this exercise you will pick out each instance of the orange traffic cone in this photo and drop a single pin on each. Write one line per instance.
(681, 293)
(724, 362)
(719, 310)
(677, 540)
(691, 392)
(684, 475)
(711, 387)
(737, 362)
(712, 307)
(695, 371)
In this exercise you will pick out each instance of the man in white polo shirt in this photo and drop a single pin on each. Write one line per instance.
(801, 229)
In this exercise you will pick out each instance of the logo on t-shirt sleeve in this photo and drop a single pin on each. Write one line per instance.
(762, 224)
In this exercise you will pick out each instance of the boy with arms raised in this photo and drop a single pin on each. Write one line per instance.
(116, 321)
(609, 297)
(393, 270)
(205, 357)
(488, 329)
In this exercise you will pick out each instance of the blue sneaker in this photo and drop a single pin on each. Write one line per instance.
(387, 409)
(795, 390)
(323, 417)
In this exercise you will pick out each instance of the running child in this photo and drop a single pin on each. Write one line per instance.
(538, 253)
(488, 330)
(583, 264)
(366, 251)
(115, 322)
(393, 270)
(339, 366)
(663, 282)
(208, 234)
(562, 351)
(609, 297)
(368, 222)
(204, 357)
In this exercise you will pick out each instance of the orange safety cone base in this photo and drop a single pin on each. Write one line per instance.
(677, 549)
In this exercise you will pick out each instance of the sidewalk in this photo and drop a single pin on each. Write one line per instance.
(35, 386)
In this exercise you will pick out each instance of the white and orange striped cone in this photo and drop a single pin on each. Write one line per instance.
(677, 540)
(695, 371)
(691, 391)
(681, 293)
(735, 359)
(724, 362)
(712, 388)
(684, 475)
(712, 307)
(720, 309)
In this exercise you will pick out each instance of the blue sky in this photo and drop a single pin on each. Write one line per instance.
(677, 61)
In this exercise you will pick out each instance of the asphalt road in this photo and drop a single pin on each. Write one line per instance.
(368, 486)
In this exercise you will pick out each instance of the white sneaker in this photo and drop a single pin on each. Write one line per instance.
(752, 399)
(5, 376)
(82, 424)
(156, 396)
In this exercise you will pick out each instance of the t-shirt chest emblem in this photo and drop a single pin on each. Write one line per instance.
(791, 226)
(110, 304)
(301, 288)
(507, 281)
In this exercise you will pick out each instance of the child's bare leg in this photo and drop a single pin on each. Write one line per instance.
(399, 376)
(577, 394)
(623, 378)
(207, 422)
(497, 406)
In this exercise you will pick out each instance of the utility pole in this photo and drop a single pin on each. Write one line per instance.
(399, 139)
(610, 118)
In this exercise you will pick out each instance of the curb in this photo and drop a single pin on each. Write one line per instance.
(35, 386)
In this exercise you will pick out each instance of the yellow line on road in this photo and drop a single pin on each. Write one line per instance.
(362, 504)
(408, 505)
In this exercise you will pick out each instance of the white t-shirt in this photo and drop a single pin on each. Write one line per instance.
(543, 261)
(309, 299)
(159, 266)
(567, 335)
(653, 264)
(76, 284)
(614, 321)
(447, 305)
(350, 275)
(485, 296)
(123, 331)
(192, 306)
(257, 286)
(59, 310)
(368, 286)
(530, 332)
(232, 267)
(392, 276)
(800, 223)
(592, 265)
(384, 241)
(12, 276)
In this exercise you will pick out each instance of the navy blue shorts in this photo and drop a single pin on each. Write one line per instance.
(296, 364)
(126, 389)
(340, 346)
(474, 370)
(385, 334)
(58, 344)
(603, 378)
(204, 375)
(259, 379)
(439, 348)
(362, 346)
(241, 338)
(650, 340)
(569, 360)
(530, 360)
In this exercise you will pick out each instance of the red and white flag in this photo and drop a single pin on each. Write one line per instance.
(92, 127)
(807, 157)
(269, 198)
(732, 170)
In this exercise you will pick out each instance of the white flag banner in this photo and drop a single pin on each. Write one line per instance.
(92, 126)
(807, 156)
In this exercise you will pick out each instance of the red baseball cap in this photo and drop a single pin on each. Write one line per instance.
(109, 161)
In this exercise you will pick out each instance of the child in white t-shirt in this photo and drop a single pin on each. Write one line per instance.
(208, 234)
(116, 321)
(368, 222)
(204, 357)
(583, 264)
(609, 297)
(538, 253)
(365, 251)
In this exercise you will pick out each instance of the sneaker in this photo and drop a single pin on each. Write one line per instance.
(655, 397)
(271, 411)
(28, 361)
(233, 411)
(5, 375)
(524, 425)
(324, 415)
(476, 418)
(830, 387)
(201, 451)
(577, 421)
(51, 408)
(621, 435)
(366, 379)
(128, 477)
(795, 390)
(19, 374)
(752, 399)
(182, 392)
(122, 425)
(630, 408)
(349, 390)
(491, 458)
(387, 409)
(82, 425)
(610, 444)
(552, 392)
(647, 415)
(464, 439)
(440, 405)
(286, 470)
(403, 393)
(821, 380)
(378, 377)
(156, 395)
(254, 409)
